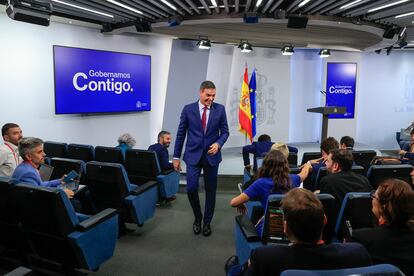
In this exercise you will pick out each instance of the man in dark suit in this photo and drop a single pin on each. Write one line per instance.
(303, 223)
(205, 125)
(342, 179)
(161, 149)
(258, 149)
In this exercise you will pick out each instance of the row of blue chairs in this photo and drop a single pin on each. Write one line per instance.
(141, 166)
(379, 269)
(356, 208)
(110, 185)
(39, 223)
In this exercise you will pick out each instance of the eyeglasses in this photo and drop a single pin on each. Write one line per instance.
(372, 194)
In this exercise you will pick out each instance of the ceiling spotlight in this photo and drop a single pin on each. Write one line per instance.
(204, 43)
(287, 50)
(402, 43)
(323, 53)
(245, 46)
(389, 49)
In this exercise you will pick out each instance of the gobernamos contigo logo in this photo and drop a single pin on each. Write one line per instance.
(100, 81)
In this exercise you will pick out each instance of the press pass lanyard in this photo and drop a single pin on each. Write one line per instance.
(16, 158)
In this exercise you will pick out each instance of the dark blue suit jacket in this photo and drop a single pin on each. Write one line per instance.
(198, 142)
(258, 149)
(272, 260)
(162, 155)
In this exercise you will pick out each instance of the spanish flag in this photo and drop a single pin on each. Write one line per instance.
(245, 117)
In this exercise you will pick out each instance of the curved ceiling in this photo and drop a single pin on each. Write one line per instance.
(361, 22)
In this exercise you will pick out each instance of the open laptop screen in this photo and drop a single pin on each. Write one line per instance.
(45, 172)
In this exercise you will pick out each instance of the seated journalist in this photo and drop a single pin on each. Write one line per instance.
(341, 179)
(273, 178)
(31, 150)
(407, 152)
(303, 223)
(126, 141)
(392, 241)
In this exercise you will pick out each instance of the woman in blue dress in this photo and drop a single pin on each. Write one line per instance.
(273, 178)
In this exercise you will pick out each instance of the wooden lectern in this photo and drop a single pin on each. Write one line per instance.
(326, 111)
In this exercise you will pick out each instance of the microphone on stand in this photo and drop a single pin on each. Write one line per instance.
(324, 94)
(410, 127)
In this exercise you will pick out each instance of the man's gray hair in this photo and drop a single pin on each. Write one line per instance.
(127, 139)
(27, 145)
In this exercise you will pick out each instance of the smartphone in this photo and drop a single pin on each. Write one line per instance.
(70, 176)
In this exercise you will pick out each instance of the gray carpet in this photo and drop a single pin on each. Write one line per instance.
(166, 245)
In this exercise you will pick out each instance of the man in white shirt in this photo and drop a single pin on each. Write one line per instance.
(9, 153)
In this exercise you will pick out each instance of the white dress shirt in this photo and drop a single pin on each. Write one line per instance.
(9, 159)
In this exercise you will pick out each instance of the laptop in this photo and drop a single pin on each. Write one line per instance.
(45, 172)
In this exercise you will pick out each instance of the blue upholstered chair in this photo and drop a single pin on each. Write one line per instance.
(12, 238)
(110, 188)
(62, 166)
(381, 269)
(55, 149)
(357, 209)
(109, 155)
(85, 153)
(377, 173)
(143, 166)
(245, 233)
(59, 234)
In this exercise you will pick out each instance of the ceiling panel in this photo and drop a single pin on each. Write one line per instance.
(178, 11)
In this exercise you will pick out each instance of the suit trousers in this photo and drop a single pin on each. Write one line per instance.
(210, 185)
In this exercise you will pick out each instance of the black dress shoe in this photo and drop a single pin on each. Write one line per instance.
(168, 199)
(197, 226)
(206, 230)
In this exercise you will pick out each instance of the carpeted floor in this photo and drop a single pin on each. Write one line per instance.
(166, 245)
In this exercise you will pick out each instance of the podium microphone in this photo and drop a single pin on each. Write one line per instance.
(323, 92)
(410, 127)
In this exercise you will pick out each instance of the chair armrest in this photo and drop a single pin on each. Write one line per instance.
(96, 219)
(247, 228)
(167, 172)
(20, 271)
(144, 187)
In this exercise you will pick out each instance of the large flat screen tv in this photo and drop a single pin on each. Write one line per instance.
(94, 81)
